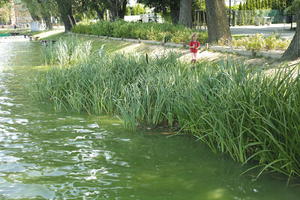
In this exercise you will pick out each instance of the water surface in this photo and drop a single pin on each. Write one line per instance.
(54, 155)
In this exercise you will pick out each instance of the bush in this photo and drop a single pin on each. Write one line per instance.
(147, 31)
(259, 42)
(138, 9)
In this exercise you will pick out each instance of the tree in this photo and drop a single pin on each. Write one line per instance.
(293, 51)
(41, 9)
(66, 13)
(48, 9)
(100, 8)
(175, 10)
(117, 8)
(217, 21)
(164, 6)
(5, 12)
(185, 14)
(3, 2)
(83, 7)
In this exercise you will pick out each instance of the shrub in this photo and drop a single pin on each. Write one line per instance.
(138, 9)
(147, 31)
(271, 42)
(256, 43)
(259, 42)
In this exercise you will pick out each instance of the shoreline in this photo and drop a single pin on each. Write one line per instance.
(166, 91)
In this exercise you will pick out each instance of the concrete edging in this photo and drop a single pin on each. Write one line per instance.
(226, 49)
(168, 44)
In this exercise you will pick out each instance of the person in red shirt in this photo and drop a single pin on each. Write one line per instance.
(194, 46)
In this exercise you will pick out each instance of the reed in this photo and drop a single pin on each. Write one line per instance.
(147, 31)
(67, 51)
(252, 116)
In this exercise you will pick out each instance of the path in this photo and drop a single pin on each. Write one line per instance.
(284, 30)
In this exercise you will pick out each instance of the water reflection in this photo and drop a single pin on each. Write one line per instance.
(47, 155)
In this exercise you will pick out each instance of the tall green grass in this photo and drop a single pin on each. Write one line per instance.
(252, 116)
(67, 51)
(147, 31)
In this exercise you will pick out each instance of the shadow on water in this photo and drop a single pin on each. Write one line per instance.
(50, 155)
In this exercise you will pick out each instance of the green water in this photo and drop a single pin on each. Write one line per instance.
(52, 155)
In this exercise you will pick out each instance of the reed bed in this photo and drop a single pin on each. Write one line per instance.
(251, 116)
(147, 31)
(67, 51)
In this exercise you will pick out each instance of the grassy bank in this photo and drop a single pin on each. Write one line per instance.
(145, 31)
(245, 113)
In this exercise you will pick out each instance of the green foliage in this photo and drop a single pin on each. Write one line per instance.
(255, 43)
(3, 3)
(267, 4)
(294, 7)
(199, 4)
(42, 10)
(128, 11)
(5, 10)
(138, 9)
(247, 114)
(67, 51)
(169, 9)
(259, 42)
(146, 31)
(257, 17)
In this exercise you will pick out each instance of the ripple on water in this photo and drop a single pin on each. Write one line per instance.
(94, 126)
(4, 112)
(8, 159)
(23, 191)
(49, 155)
(14, 167)
(13, 121)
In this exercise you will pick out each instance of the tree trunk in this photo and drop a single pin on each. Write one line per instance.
(217, 21)
(73, 21)
(117, 9)
(175, 8)
(65, 10)
(47, 20)
(99, 11)
(113, 14)
(185, 14)
(100, 14)
(113, 8)
(293, 51)
(122, 9)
